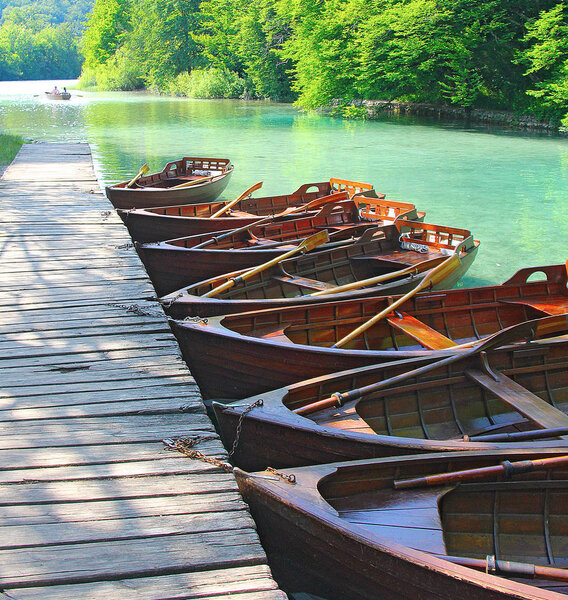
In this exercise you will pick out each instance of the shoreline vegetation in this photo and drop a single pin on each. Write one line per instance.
(9, 146)
(500, 61)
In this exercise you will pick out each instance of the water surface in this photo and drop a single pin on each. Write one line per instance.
(509, 188)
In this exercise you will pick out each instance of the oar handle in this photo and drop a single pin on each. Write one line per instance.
(143, 170)
(506, 468)
(190, 183)
(308, 244)
(508, 568)
(244, 195)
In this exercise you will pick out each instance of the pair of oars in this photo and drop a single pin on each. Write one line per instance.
(515, 332)
(308, 244)
(337, 197)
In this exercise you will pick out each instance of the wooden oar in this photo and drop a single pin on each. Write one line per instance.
(507, 568)
(337, 197)
(425, 265)
(190, 183)
(308, 244)
(436, 275)
(244, 195)
(143, 170)
(506, 468)
(501, 338)
(519, 436)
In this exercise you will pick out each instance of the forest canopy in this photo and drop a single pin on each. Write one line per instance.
(39, 39)
(496, 54)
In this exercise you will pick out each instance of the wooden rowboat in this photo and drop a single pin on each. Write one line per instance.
(169, 222)
(58, 95)
(240, 355)
(403, 245)
(176, 263)
(342, 530)
(480, 402)
(201, 180)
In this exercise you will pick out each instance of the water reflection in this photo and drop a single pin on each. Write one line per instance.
(509, 188)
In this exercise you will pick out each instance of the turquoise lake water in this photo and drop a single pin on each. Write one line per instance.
(509, 188)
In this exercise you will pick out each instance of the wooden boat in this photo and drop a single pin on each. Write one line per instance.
(166, 223)
(176, 263)
(58, 95)
(240, 355)
(188, 180)
(479, 402)
(343, 530)
(393, 248)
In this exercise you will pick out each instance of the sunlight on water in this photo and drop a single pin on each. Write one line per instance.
(509, 188)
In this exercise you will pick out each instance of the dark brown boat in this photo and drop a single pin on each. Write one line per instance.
(166, 223)
(396, 252)
(188, 180)
(493, 528)
(240, 355)
(176, 263)
(480, 402)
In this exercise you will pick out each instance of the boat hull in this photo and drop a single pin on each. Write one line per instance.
(273, 435)
(312, 549)
(127, 198)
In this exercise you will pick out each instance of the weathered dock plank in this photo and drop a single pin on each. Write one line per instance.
(92, 504)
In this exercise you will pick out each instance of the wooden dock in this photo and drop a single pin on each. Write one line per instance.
(92, 504)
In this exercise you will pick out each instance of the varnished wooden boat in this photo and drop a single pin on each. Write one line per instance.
(471, 404)
(58, 95)
(211, 176)
(176, 263)
(240, 355)
(342, 530)
(395, 247)
(165, 223)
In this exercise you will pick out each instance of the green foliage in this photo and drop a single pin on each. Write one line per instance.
(208, 83)
(9, 146)
(39, 40)
(493, 54)
(547, 61)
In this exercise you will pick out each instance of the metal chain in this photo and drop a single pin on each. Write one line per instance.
(105, 214)
(173, 299)
(245, 412)
(138, 310)
(185, 446)
(126, 246)
(196, 320)
(291, 478)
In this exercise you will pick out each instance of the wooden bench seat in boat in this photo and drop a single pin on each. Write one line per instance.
(304, 282)
(552, 305)
(526, 403)
(398, 259)
(415, 329)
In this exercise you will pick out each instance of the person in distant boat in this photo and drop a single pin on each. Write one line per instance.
(55, 90)
(64, 90)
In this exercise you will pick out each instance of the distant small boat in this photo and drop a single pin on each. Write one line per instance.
(58, 95)
(347, 530)
(188, 180)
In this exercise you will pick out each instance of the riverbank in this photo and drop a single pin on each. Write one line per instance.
(374, 109)
(9, 146)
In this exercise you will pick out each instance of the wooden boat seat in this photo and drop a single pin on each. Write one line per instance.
(275, 332)
(399, 259)
(303, 282)
(552, 305)
(526, 403)
(415, 329)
